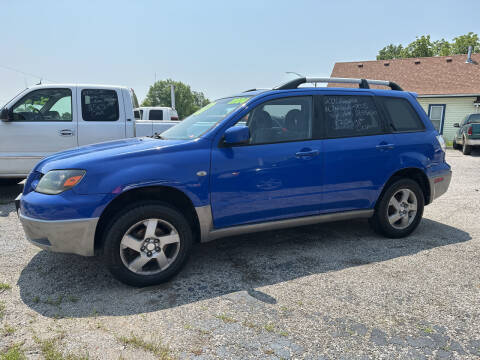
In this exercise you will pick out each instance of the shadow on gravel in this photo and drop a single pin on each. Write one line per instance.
(9, 190)
(58, 285)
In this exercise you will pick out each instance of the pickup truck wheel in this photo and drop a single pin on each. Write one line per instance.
(466, 149)
(400, 209)
(148, 244)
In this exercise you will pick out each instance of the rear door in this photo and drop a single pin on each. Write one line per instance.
(358, 153)
(101, 115)
(43, 123)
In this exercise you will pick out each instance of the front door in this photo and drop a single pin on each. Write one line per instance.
(277, 174)
(42, 124)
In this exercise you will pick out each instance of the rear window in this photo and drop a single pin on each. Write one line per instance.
(155, 115)
(474, 118)
(351, 116)
(100, 105)
(402, 116)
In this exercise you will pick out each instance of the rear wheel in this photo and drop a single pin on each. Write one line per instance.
(400, 209)
(455, 145)
(466, 149)
(148, 244)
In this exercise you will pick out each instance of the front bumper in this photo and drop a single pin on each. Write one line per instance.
(439, 184)
(65, 236)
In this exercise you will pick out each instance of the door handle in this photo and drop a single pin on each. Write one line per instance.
(66, 132)
(385, 146)
(307, 154)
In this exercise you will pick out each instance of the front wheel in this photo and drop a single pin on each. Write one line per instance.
(400, 210)
(455, 146)
(148, 244)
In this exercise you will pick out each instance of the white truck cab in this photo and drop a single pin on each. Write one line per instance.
(158, 113)
(47, 118)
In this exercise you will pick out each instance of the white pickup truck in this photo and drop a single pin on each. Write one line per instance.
(159, 113)
(45, 119)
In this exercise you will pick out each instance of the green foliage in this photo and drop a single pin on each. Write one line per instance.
(14, 352)
(423, 46)
(186, 100)
(461, 43)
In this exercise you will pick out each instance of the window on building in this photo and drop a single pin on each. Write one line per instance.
(437, 114)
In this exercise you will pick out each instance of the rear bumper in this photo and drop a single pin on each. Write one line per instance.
(65, 236)
(439, 184)
(473, 142)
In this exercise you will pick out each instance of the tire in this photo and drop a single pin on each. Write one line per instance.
(455, 146)
(466, 149)
(387, 209)
(157, 246)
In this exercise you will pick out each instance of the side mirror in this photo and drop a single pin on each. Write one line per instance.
(5, 115)
(237, 135)
(456, 125)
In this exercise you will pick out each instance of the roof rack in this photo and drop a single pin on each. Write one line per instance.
(362, 83)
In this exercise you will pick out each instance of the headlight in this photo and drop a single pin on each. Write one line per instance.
(58, 181)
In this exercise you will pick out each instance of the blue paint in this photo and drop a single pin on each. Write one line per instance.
(244, 183)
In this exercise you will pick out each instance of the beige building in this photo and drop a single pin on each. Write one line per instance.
(448, 87)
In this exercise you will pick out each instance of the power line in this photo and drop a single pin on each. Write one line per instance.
(26, 73)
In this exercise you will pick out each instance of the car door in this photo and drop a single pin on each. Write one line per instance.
(101, 115)
(277, 174)
(42, 123)
(358, 153)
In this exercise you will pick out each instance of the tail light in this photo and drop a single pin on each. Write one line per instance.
(469, 131)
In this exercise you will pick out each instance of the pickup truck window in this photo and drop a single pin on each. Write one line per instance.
(44, 105)
(100, 105)
(204, 119)
(155, 115)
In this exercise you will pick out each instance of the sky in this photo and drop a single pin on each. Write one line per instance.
(217, 47)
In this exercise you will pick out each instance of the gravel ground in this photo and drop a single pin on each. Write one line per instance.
(330, 291)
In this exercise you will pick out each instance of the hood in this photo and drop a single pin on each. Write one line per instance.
(81, 157)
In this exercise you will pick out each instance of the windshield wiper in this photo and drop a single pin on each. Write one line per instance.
(158, 136)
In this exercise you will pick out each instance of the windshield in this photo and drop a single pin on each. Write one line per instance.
(204, 119)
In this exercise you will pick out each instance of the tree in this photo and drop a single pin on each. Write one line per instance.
(424, 47)
(421, 47)
(461, 43)
(391, 52)
(186, 100)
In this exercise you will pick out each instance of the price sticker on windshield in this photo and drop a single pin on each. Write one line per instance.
(239, 100)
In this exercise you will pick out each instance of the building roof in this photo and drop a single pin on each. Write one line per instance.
(439, 75)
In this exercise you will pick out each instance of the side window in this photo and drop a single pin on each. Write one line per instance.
(100, 105)
(136, 114)
(280, 120)
(403, 117)
(155, 115)
(347, 116)
(44, 105)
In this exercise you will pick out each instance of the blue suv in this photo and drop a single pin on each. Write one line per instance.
(260, 160)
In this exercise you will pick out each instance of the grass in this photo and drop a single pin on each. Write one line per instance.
(2, 309)
(269, 327)
(8, 330)
(50, 350)
(226, 319)
(163, 352)
(4, 287)
(14, 352)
